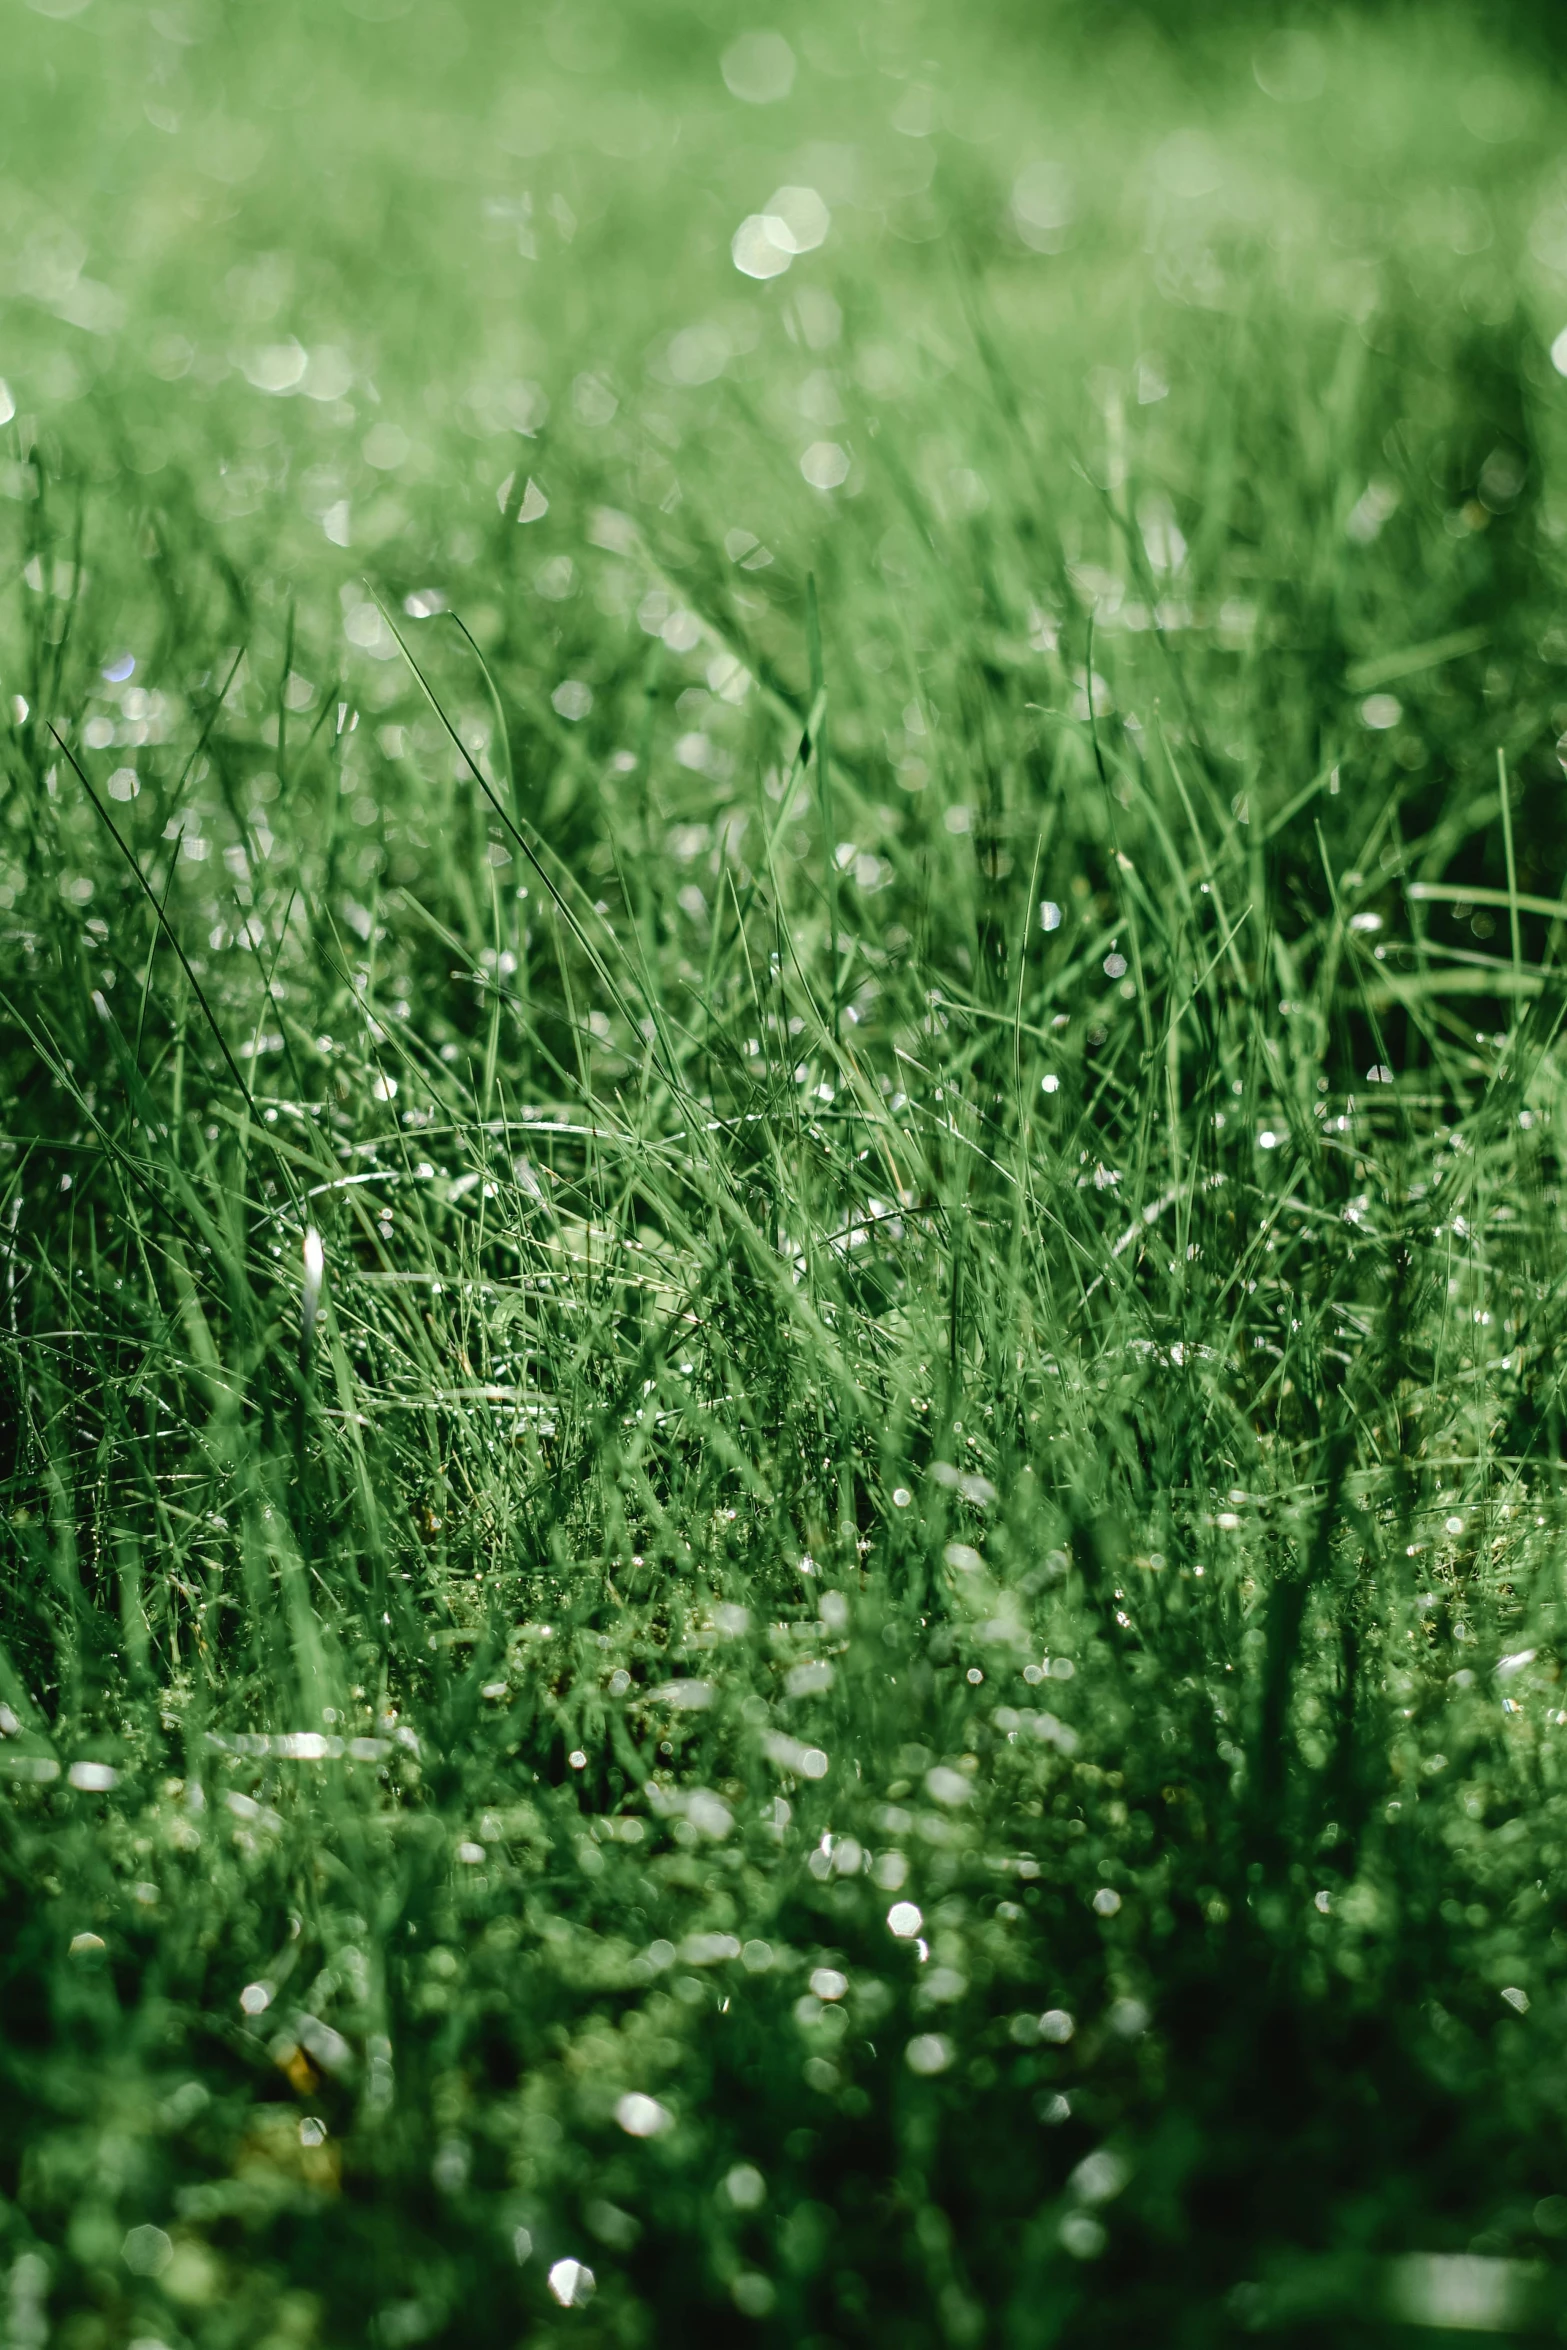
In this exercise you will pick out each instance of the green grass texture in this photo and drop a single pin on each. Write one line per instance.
(782, 1261)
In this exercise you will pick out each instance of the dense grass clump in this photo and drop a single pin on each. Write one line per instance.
(780, 1203)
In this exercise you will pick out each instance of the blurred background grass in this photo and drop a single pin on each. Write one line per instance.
(531, 1816)
(317, 285)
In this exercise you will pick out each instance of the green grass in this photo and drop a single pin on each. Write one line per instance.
(784, 1272)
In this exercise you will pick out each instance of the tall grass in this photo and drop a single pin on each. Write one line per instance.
(783, 1263)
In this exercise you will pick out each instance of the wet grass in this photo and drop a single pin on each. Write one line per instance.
(782, 1240)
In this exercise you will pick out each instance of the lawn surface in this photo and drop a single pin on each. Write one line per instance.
(781, 968)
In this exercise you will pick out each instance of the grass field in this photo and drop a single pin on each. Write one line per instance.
(781, 978)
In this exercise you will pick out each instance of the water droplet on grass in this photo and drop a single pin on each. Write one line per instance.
(825, 465)
(756, 252)
(641, 2116)
(1042, 205)
(147, 2251)
(929, 2053)
(277, 368)
(573, 2283)
(758, 68)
